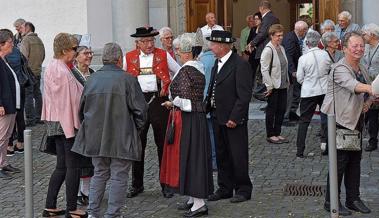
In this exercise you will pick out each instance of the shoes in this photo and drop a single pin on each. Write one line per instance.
(342, 210)
(218, 196)
(5, 175)
(238, 199)
(11, 169)
(83, 200)
(300, 155)
(274, 141)
(358, 206)
(324, 153)
(70, 215)
(185, 206)
(197, 213)
(47, 213)
(18, 150)
(133, 192)
(10, 153)
(283, 140)
(323, 146)
(167, 194)
(371, 148)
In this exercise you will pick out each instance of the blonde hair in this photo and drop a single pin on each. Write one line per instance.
(63, 42)
(276, 28)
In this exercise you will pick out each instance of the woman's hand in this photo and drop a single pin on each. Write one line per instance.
(268, 93)
(167, 104)
(366, 106)
(2, 111)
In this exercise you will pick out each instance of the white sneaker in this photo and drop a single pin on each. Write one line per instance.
(323, 146)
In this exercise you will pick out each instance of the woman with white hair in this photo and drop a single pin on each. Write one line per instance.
(167, 38)
(370, 33)
(345, 25)
(187, 163)
(312, 73)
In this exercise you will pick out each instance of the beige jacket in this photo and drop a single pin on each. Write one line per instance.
(33, 49)
(348, 104)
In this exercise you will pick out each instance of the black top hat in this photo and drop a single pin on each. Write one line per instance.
(221, 36)
(145, 32)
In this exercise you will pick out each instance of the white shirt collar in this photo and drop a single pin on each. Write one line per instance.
(265, 14)
(226, 57)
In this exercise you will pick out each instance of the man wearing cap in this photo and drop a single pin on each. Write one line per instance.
(228, 98)
(151, 66)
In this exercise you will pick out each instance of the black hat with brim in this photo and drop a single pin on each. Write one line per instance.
(221, 37)
(145, 32)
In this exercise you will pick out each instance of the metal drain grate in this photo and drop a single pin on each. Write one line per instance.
(304, 190)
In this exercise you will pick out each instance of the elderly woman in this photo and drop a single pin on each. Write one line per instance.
(345, 25)
(274, 67)
(345, 98)
(370, 33)
(60, 110)
(166, 37)
(187, 162)
(10, 101)
(325, 27)
(312, 73)
(253, 33)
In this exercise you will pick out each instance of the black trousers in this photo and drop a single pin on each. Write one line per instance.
(19, 126)
(307, 109)
(373, 126)
(276, 107)
(232, 156)
(67, 169)
(348, 168)
(294, 98)
(157, 117)
(33, 102)
(254, 63)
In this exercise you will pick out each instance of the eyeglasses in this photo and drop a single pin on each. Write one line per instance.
(88, 53)
(169, 37)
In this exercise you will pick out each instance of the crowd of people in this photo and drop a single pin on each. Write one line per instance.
(195, 93)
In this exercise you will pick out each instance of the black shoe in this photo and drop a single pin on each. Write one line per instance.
(324, 153)
(70, 215)
(371, 148)
(167, 194)
(10, 153)
(5, 175)
(218, 196)
(18, 150)
(11, 169)
(133, 192)
(47, 213)
(300, 155)
(197, 213)
(185, 206)
(358, 206)
(83, 200)
(342, 210)
(238, 199)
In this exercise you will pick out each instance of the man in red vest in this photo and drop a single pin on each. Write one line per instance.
(151, 66)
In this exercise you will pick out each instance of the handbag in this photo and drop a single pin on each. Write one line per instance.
(260, 91)
(348, 140)
(48, 144)
(170, 133)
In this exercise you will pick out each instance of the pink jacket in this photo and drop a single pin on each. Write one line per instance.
(61, 97)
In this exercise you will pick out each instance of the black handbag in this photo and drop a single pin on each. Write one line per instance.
(48, 144)
(170, 133)
(259, 92)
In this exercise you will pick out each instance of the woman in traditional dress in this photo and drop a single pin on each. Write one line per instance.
(187, 162)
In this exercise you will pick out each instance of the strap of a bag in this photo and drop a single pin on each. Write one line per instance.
(272, 60)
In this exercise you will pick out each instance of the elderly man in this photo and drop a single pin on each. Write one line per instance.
(166, 37)
(228, 98)
(109, 131)
(245, 33)
(292, 43)
(211, 25)
(151, 66)
(312, 74)
(33, 49)
(345, 25)
(370, 34)
(20, 28)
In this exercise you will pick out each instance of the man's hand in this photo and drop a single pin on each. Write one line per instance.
(268, 93)
(293, 74)
(167, 104)
(2, 111)
(231, 124)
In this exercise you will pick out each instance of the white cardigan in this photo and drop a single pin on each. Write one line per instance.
(273, 81)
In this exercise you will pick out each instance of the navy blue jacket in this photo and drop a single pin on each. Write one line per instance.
(7, 89)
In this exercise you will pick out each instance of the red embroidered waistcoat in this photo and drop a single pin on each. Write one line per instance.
(160, 66)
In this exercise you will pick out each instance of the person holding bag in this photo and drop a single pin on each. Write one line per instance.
(274, 67)
(347, 98)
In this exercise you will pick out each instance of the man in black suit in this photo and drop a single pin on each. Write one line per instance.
(228, 98)
(292, 43)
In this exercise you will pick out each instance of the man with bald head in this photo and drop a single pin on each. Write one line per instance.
(293, 43)
(211, 25)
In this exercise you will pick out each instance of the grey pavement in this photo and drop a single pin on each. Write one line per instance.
(271, 168)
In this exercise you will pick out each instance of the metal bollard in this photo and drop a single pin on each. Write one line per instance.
(333, 182)
(28, 162)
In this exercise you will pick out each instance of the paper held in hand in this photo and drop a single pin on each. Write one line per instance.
(148, 83)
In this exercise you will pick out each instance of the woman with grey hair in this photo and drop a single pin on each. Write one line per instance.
(166, 37)
(370, 59)
(187, 163)
(312, 73)
(327, 26)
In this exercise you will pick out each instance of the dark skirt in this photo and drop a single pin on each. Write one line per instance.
(194, 156)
